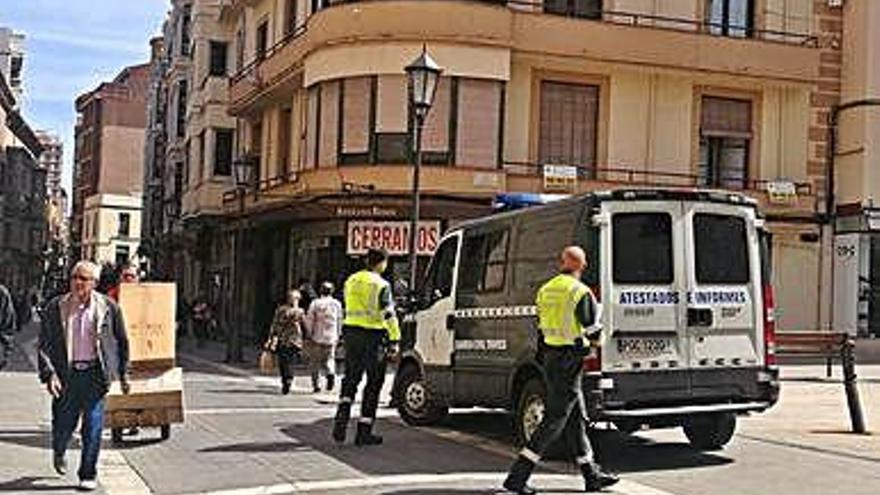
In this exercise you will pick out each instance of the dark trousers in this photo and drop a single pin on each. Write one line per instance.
(364, 353)
(566, 410)
(83, 397)
(287, 357)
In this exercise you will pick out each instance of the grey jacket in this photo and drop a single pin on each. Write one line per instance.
(7, 324)
(56, 339)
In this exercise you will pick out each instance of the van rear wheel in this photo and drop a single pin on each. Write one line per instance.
(710, 431)
(530, 407)
(417, 402)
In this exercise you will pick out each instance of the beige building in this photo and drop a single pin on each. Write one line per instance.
(728, 94)
(111, 228)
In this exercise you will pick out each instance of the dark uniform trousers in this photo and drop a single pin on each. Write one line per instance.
(364, 353)
(566, 410)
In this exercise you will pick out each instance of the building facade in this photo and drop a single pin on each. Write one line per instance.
(51, 161)
(731, 94)
(109, 149)
(57, 240)
(111, 228)
(12, 55)
(22, 200)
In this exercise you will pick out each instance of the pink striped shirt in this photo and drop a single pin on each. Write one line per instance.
(84, 332)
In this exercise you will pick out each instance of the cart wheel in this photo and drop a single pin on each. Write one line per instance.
(166, 431)
(116, 435)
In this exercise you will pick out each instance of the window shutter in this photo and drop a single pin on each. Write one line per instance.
(436, 133)
(568, 124)
(726, 117)
(479, 106)
(356, 115)
(329, 122)
(312, 111)
(391, 96)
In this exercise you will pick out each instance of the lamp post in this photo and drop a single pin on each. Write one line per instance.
(423, 74)
(243, 168)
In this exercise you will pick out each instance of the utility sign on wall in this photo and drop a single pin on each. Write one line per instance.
(393, 236)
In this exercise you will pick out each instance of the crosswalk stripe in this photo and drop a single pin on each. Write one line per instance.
(625, 487)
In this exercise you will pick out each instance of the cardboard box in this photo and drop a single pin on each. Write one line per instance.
(156, 399)
(149, 312)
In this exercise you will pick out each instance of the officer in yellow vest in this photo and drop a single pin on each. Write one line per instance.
(566, 309)
(371, 334)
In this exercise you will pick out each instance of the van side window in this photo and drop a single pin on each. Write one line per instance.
(484, 259)
(642, 248)
(722, 255)
(438, 282)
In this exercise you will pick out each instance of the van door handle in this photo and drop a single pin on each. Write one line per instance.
(699, 317)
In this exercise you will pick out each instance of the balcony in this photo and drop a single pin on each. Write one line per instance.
(475, 184)
(631, 39)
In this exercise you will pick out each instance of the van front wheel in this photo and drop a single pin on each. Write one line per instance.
(710, 431)
(530, 406)
(417, 402)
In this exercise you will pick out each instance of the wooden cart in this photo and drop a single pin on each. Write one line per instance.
(156, 396)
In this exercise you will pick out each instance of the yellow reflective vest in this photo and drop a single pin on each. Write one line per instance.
(556, 304)
(362, 305)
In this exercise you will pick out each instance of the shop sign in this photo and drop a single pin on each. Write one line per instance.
(393, 236)
(346, 211)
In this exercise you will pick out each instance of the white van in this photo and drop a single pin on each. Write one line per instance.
(688, 332)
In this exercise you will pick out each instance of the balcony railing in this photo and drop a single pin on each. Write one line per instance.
(608, 16)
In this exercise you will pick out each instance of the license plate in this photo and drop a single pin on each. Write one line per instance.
(635, 347)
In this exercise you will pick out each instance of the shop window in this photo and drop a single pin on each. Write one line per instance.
(725, 141)
(122, 255)
(486, 253)
(568, 130)
(734, 18)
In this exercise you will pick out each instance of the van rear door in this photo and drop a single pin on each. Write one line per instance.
(642, 280)
(723, 284)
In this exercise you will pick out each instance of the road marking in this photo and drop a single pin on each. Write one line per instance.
(492, 480)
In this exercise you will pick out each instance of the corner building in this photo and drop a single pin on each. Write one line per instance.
(730, 94)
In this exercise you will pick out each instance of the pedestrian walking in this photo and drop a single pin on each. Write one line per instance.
(82, 348)
(7, 326)
(128, 274)
(202, 320)
(371, 334)
(566, 310)
(286, 337)
(323, 326)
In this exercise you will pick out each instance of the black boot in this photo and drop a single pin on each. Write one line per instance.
(518, 476)
(285, 387)
(331, 380)
(595, 479)
(340, 424)
(365, 435)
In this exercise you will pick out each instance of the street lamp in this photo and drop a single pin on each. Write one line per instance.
(243, 168)
(423, 74)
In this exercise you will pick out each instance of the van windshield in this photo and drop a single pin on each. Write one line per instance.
(722, 255)
(642, 250)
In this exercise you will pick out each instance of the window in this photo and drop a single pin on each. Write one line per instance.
(356, 110)
(290, 21)
(262, 41)
(182, 91)
(438, 282)
(569, 125)
(589, 9)
(487, 255)
(185, 19)
(722, 255)
(239, 48)
(124, 224)
(284, 131)
(479, 112)
(218, 54)
(223, 151)
(642, 248)
(178, 178)
(731, 17)
(725, 140)
(122, 255)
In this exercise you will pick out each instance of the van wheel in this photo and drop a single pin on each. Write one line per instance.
(530, 406)
(710, 431)
(417, 402)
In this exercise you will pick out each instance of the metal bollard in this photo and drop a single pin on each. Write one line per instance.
(849, 384)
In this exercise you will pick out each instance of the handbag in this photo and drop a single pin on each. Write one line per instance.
(267, 362)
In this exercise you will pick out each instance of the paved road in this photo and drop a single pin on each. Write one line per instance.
(242, 437)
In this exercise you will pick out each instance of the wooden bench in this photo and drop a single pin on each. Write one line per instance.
(826, 345)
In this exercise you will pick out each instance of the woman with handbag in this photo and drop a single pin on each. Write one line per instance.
(286, 337)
